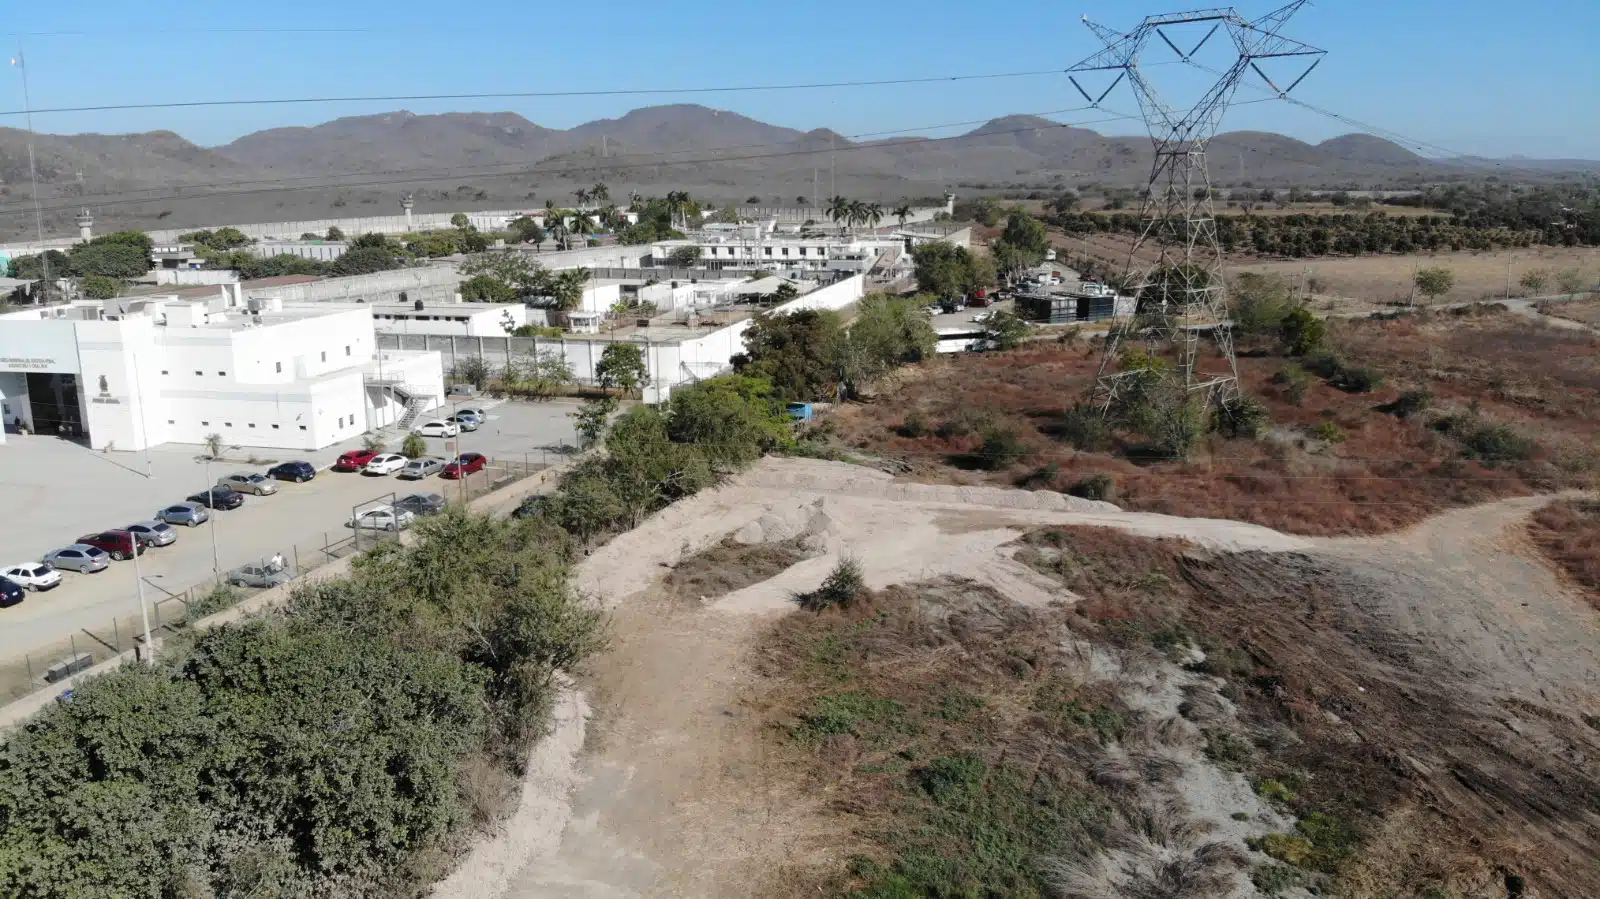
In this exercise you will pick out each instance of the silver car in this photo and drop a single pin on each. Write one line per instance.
(421, 503)
(79, 557)
(421, 468)
(258, 576)
(249, 482)
(153, 533)
(189, 513)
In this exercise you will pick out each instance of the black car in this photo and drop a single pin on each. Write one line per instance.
(219, 498)
(420, 504)
(298, 472)
(10, 593)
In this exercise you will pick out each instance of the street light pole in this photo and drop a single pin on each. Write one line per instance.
(144, 611)
(211, 505)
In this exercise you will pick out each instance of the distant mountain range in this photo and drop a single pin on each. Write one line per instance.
(359, 165)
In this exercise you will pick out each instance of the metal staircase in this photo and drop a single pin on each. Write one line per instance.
(416, 400)
(414, 408)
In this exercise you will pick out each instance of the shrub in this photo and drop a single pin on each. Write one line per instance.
(840, 589)
(1409, 403)
(1295, 381)
(1085, 428)
(222, 596)
(1357, 379)
(1096, 486)
(914, 425)
(414, 447)
(1302, 331)
(1328, 432)
(1241, 417)
(1486, 441)
(1324, 364)
(1001, 449)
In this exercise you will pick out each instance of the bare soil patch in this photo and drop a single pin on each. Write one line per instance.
(1586, 311)
(1568, 531)
(1333, 462)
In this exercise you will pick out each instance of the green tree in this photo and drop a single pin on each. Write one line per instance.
(732, 419)
(683, 257)
(472, 370)
(1027, 235)
(253, 267)
(414, 446)
(797, 352)
(591, 420)
(1302, 332)
(97, 287)
(334, 233)
(887, 331)
(1258, 304)
(1435, 281)
(1570, 282)
(946, 271)
(487, 289)
(901, 213)
(567, 288)
(528, 230)
(31, 268)
(109, 260)
(365, 260)
(621, 366)
(548, 373)
(1534, 281)
(1004, 330)
(460, 220)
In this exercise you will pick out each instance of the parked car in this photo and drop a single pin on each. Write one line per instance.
(249, 482)
(465, 422)
(218, 498)
(474, 410)
(78, 557)
(382, 519)
(299, 472)
(438, 428)
(153, 533)
(421, 503)
(463, 465)
(417, 469)
(258, 576)
(187, 513)
(388, 463)
(33, 576)
(117, 543)
(355, 460)
(11, 593)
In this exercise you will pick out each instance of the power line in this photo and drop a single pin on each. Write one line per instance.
(504, 95)
(591, 168)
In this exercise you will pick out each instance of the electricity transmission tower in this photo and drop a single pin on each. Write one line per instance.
(1181, 293)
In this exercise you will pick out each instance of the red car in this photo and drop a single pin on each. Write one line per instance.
(464, 465)
(118, 544)
(355, 460)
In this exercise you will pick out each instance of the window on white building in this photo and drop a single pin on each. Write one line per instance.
(163, 371)
(171, 422)
(347, 349)
(222, 374)
(341, 421)
(199, 374)
(274, 427)
(324, 355)
(205, 424)
(302, 427)
(279, 367)
(228, 424)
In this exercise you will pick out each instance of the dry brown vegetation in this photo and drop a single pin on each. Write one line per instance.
(1379, 279)
(1586, 311)
(1569, 533)
(969, 748)
(1333, 462)
(729, 565)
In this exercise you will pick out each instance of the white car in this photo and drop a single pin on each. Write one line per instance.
(382, 519)
(437, 428)
(387, 463)
(32, 575)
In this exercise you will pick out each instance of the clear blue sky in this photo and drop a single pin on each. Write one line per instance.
(1471, 75)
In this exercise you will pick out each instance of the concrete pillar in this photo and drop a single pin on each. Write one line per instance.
(85, 226)
(407, 202)
(950, 203)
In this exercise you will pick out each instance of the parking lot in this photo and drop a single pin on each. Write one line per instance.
(56, 491)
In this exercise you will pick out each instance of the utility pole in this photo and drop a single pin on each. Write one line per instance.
(1185, 287)
(1508, 278)
(33, 170)
(144, 612)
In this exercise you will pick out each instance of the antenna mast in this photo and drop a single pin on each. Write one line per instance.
(1181, 295)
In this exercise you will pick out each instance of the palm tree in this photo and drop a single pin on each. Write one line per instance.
(839, 211)
(600, 192)
(634, 199)
(582, 223)
(678, 204)
(902, 212)
(560, 234)
(610, 216)
(856, 213)
(873, 213)
(583, 197)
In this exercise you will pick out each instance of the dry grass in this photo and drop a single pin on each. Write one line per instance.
(1387, 472)
(729, 565)
(1569, 533)
(1586, 311)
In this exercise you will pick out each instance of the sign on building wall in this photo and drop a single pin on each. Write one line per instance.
(38, 346)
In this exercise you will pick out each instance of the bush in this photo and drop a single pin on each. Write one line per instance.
(1295, 382)
(1357, 379)
(1086, 428)
(914, 425)
(414, 446)
(1486, 441)
(99, 287)
(1409, 403)
(1302, 331)
(222, 596)
(841, 589)
(1241, 417)
(1001, 449)
(1328, 432)
(1099, 486)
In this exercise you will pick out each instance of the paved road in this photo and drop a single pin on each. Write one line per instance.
(56, 491)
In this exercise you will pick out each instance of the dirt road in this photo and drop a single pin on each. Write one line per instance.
(673, 796)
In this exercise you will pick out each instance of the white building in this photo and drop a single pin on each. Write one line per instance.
(745, 250)
(319, 250)
(134, 373)
(463, 319)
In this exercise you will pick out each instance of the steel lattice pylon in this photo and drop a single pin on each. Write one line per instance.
(1182, 294)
